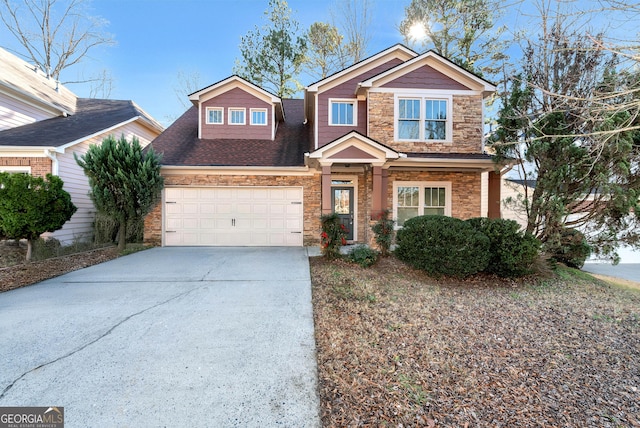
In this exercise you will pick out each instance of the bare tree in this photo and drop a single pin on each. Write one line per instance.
(101, 85)
(187, 83)
(571, 116)
(353, 19)
(53, 34)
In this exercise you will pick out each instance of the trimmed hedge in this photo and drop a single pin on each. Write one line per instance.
(512, 251)
(442, 245)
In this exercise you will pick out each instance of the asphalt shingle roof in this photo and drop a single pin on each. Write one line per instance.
(23, 77)
(92, 116)
(180, 145)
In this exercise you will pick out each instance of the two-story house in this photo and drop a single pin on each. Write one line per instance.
(42, 125)
(397, 131)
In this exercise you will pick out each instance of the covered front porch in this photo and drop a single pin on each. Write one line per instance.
(362, 178)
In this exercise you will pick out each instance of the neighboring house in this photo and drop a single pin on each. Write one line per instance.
(516, 189)
(397, 131)
(42, 124)
(513, 193)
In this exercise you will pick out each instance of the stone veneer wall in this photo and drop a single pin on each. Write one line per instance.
(467, 126)
(465, 189)
(312, 199)
(40, 167)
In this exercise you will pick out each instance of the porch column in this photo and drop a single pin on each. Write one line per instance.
(326, 190)
(495, 182)
(377, 192)
(385, 186)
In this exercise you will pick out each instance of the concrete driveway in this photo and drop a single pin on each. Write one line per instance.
(167, 337)
(628, 271)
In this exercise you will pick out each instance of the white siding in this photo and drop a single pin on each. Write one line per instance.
(15, 113)
(513, 210)
(80, 227)
(484, 194)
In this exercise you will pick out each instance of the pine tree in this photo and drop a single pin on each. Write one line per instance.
(125, 181)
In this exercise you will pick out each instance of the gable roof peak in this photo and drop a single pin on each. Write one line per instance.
(194, 97)
(396, 50)
(441, 63)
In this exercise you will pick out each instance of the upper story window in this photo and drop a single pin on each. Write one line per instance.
(343, 112)
(215, 115)
(237, 116)
(424, 119)
(258, 116)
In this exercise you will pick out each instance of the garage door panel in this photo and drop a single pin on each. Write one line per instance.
(244, 208)
(261, 224)
(293, 209)
(251, 216)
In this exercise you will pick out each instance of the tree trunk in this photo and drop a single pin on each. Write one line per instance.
(122, 236)
(29, 249)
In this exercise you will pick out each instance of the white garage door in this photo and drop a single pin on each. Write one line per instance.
(233, 216)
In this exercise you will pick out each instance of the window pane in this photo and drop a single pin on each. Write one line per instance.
(435, 130)
(409, 109)
(237, 116)
(409, 129)
(428, 113)
(342, 205)
(408, 197)
(434, 200)
(442, 110)
(215, 116)
(434, 211)
(436, 109)
(405, 214)
(258, 117)
(342, 113)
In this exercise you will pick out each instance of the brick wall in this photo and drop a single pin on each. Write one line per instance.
(465, 189)
(312, 199)
(467, 126)
(40, 167)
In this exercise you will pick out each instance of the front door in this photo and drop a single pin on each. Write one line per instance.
(342, 202)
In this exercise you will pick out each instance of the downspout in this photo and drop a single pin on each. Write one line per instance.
(54, 161)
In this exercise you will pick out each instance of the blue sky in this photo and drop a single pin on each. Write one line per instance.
(158, 38)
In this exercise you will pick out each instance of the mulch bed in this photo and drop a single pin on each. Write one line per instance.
(24, 273)
(397, 348)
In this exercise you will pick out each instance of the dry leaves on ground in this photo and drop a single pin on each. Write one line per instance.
(29, 273)
(397, 348)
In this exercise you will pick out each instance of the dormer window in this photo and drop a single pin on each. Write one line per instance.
(343, 112)
(258, 116)
(215, 115)
(237, 116)
(424, 119)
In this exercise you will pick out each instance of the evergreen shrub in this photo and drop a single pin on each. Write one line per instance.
(442, 245)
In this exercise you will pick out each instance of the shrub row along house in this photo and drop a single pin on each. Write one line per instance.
(42, 124)
(398, 131)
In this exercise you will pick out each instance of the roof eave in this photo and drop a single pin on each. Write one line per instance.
(35, 101)
(457, 163)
